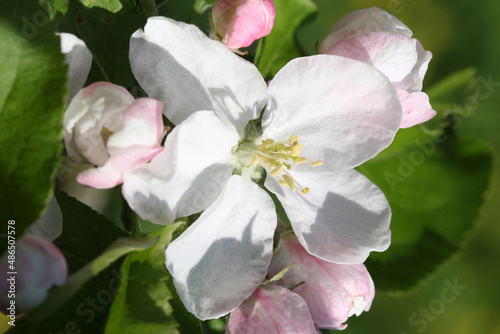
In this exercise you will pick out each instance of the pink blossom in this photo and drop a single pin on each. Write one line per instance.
(39, 264)
(239, 23)
(375, 37)
(271, 309)
(333, 292)
(105, 126)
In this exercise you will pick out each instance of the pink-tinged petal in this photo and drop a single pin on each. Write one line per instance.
(49, 226)
(341, 219)
(79, 60)
(40, 265)
(111, 174)
(221, 259)
(381, 40)
(189, 175)
(416, 108)
(92, 113)
(393, 54)
(240, 22)
(416, 78)
(333, 292)
(360, 22)
(177, 64)
(142, 127)
(343, 111)
(271, 309)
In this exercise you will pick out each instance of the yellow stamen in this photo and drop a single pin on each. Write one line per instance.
(290, 182)
(277, 171)
(317, 163)
(283, 183)
(276, 157)
(301, 160)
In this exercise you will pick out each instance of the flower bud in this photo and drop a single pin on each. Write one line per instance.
(238, 23)
(333, 292)
(271, 307)
(39, 266)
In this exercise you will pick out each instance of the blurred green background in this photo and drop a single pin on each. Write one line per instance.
(460, 34)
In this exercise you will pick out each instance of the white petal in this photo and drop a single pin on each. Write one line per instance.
(343, 111)
(271, 309)
(418, 73)
(177, 64)
(393, 54)
(79, 60)
(188, 175)
(223, 257)
(342, 219)
(94, 108)
(142, 127)
(49, 226)
(360, 22)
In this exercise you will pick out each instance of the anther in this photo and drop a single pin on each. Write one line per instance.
(277, 171)
(317, 163)
(290, 182)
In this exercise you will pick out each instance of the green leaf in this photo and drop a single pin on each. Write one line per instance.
(105, 26)
(86, 234)
(56, 6)
(454, 87)
(142, 304)
(60, 295)
(279, 47)
(458, 86)
(436, 187)
(32, 92)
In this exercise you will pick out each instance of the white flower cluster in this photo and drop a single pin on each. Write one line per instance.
(317, 119)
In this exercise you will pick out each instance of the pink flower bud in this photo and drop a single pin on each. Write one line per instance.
(39, 266)
(333, 292)
(271, 309)
(238, 23)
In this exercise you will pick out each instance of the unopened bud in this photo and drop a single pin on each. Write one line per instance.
(238, 23)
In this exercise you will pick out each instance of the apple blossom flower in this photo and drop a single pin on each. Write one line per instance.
(39, 263)
(79, 60)
(333, 292)
(378, 38)
(238, 23)
(323, 115)
(271, 309)
(105, 126)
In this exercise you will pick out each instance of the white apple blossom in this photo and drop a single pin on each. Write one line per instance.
(378, 38)
(323, 115)
(106, 126)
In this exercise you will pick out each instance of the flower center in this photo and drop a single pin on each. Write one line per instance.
(276, 157)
